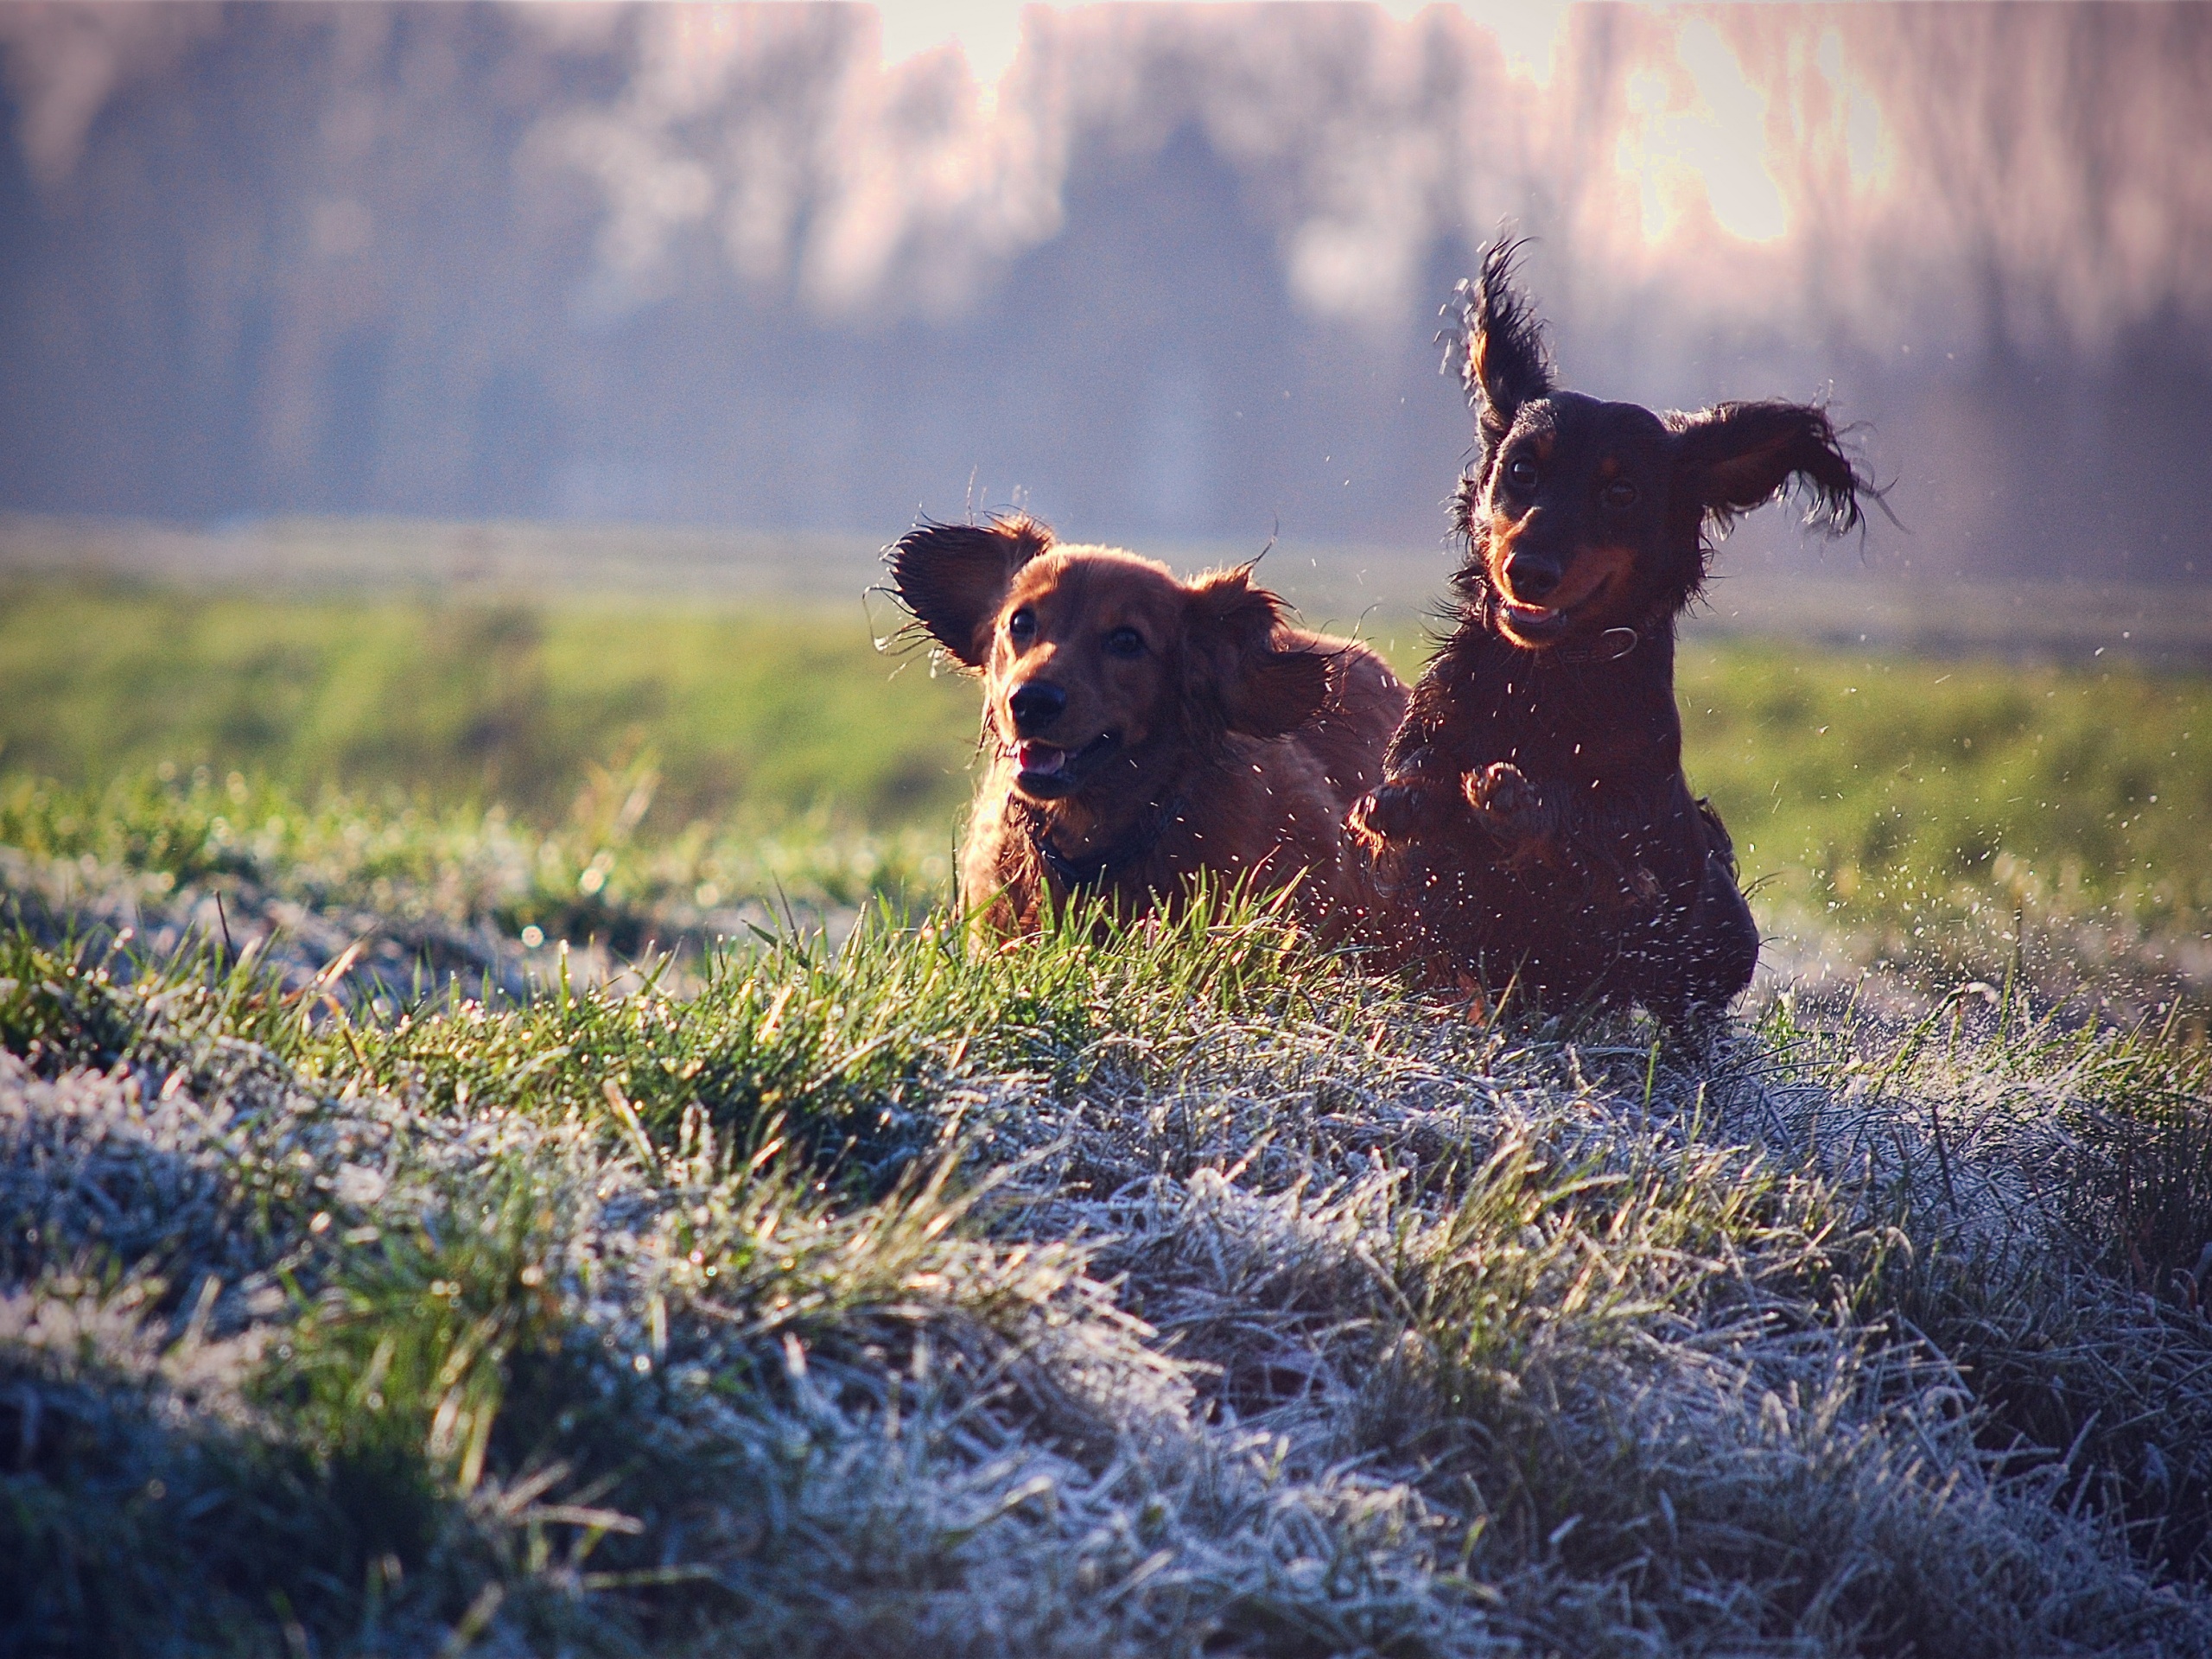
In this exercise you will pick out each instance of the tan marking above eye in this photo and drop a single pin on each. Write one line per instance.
(1545, 442)
(1610, 466)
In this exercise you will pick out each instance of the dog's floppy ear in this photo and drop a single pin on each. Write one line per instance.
(1734, 457)
(1505, 363)
(954, 578)
(1234, 665)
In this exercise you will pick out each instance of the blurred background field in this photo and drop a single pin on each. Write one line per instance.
(618, 760)
(463, 700)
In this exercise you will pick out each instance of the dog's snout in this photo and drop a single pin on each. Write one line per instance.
(1035, 704)
(1530, 578)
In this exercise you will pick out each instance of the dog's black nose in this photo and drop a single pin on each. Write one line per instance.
(1035, 705)
(1529, 578)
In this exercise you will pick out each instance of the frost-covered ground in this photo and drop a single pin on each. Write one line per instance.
(1186, 1294)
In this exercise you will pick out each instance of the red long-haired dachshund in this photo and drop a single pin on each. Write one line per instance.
(1140, 730)
(1533, 827)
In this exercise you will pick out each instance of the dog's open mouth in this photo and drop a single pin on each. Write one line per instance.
(1048, 772)
(1535, 625)
(1584, 599)
(1539, 626)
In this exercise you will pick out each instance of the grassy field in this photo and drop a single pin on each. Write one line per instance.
(398, 1257)
(1889, 810)
(1922, 813)
(462, 701)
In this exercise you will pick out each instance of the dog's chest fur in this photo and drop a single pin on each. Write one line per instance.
(1261, 807)
(1610, 856)
(1592, 731)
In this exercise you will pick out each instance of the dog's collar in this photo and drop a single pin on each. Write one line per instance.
(1609, 647)
(1082, 875)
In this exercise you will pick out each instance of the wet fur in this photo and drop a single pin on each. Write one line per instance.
(1533, 827)
(1240, 741)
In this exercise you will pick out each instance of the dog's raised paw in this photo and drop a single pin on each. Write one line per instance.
(1387, 812)
(1502, 795)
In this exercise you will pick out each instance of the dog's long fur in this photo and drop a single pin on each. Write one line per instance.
(1533, 826)
(1140, 730)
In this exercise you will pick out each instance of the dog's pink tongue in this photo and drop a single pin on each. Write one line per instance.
(1040, 757)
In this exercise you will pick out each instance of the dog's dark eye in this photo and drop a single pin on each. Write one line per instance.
(1521, 474)
(1619, 493)
(1022, 624)
(1125, 642)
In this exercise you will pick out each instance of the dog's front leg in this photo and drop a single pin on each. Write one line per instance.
(1513, 810)
(1410, 803)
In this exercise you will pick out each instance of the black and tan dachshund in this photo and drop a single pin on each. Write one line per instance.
(1533, 827)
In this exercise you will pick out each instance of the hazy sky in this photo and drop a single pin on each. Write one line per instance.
(1165, 270)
